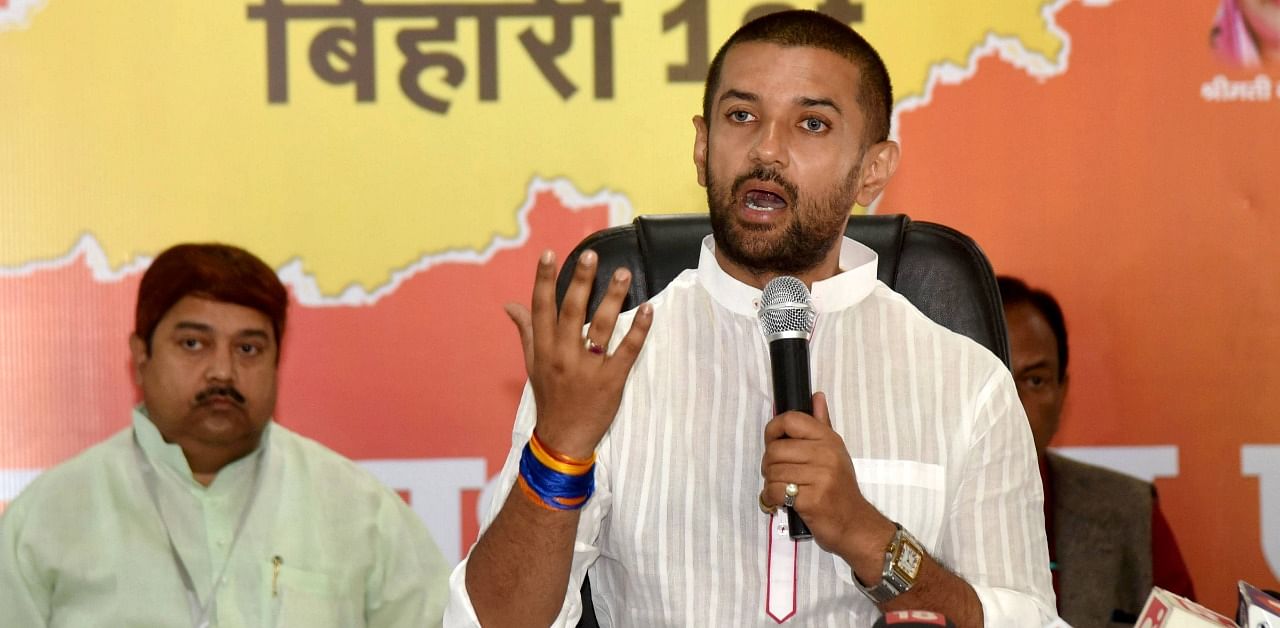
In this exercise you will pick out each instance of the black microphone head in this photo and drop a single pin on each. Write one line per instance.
(785, 309)
(913, 619)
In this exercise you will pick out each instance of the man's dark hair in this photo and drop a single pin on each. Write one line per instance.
(1014, 291)
(812, 29)
(218, 272)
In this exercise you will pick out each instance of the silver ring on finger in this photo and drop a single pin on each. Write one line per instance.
(789, 498)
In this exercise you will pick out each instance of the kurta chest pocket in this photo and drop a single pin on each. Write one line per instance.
(909, 492)
(299, 598)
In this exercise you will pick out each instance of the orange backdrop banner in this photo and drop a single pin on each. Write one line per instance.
(403, 162)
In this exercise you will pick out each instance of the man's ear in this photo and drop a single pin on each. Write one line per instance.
(138, 355)
(878, 165)
(700, 148)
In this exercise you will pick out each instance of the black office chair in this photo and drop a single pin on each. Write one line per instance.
(940, 270)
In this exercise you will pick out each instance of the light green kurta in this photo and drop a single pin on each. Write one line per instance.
(84, 546)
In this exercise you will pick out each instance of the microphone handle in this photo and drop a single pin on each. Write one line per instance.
(789, 358)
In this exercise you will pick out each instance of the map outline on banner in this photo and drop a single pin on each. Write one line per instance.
(1011, 48)
(304, 286)
(18, 14)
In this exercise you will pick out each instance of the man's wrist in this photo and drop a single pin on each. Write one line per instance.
(865, 550)
(903, 559)
(566, 444)
(553, 480)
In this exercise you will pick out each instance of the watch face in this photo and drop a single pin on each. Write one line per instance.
(908, 560)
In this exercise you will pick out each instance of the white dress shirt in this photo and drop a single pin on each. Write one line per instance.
(673, 535)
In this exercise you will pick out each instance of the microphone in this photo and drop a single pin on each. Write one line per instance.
(1258, 608)
(786, 318)
(912, 619)
(1168, 610)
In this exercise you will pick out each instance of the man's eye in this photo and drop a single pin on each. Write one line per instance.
(740, 116)
(190, 343)
(249, 349)
(1035, 381)
(814, 125)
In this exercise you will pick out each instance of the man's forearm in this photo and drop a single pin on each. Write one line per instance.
(936, 589)
(518, 571)
(941, 591)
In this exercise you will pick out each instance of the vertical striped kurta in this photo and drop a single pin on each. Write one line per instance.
(673, 535)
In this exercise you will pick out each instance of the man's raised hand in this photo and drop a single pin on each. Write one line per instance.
(577, 384)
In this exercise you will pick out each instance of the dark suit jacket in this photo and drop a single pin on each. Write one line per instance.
(1102, 537)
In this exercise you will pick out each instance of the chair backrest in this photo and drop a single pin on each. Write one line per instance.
(940, 270)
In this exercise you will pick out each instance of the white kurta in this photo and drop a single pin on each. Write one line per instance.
(673, 535)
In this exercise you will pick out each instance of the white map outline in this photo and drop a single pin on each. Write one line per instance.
(17, 16)
(307, 291)
(1009, 49)
(305, 287)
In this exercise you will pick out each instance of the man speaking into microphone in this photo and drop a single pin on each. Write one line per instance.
(648, 455)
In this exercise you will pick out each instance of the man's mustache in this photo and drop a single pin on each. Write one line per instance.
(761, 173)
(226, 392)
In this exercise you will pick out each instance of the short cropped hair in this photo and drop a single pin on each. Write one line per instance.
(1014, 291)
(218, 272)
(812, 29)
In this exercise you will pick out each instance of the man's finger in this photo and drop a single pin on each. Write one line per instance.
(794, 424)
(799, 471)
(776, 428)
(573, 309)
(791, 450)
(775, 493)
(606, 315)
(629, 349)
(544, 304)
(523, 320)
(820, 408)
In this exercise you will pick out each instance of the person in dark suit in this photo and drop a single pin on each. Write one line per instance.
(1109, 543)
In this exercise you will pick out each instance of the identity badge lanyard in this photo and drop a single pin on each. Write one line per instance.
(780, 589)
(200, 613)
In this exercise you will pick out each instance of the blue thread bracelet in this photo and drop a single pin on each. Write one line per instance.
(557, 490)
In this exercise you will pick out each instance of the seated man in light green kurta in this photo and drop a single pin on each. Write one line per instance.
(205, 512)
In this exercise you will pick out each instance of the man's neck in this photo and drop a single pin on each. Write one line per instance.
(829, 267)
(206, 460)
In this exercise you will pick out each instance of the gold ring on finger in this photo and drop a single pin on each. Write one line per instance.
(766, 507)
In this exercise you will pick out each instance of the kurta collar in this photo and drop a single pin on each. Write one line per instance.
(848, 288)
(169, 455)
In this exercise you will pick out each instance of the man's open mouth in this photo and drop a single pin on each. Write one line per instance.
(763, 200)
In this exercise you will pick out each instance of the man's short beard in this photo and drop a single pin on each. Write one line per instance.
(803, 244)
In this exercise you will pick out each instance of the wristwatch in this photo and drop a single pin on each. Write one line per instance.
(902, 560)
